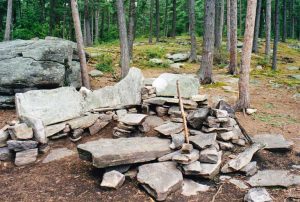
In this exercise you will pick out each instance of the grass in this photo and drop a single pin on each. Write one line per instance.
(104, 63)
(278, 120)
(215, 85)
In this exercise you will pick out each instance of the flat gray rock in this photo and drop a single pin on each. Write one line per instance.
(177, 140)
(211, 170)
(242, 159)
(192, 168)
(5, 154)
(203, 140)
(169, 128)
(250, 169)
(269, 178)
(191, 188)
(273, 141)
(3, 137)
(165, 85)
(160, 179)
(168, 157)
(209, 155)
(26, 157)
(18, 145)
(132, 119)
(95, 73)
(113, 179)
(50, 106)
(295, 76)
(111, 152)
(178, 57)
(240, 184)
(258, 195)
(58, 154)
(197, 117)
(21, 131)
(185, 159)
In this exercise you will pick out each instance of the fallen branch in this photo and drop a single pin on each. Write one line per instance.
(244, 132)
(219, 190)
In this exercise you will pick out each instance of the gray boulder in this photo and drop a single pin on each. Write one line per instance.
(178, 57)
(196, 118)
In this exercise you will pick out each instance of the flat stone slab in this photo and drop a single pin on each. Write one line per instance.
(57, 154)
(165, 85)
(18, 145)
(191, 188)
(240, 184)
(273, 141)
(132, 119)
(112, 152)
(50, 106)
(160, 179)
(269, 178)
(211, 170)
(113, 179)
(169, 128)
(258, 195)
(203, 140)
(26, 157)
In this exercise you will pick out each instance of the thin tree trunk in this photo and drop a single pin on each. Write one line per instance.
(7, 34)
(205, 73)
(233, 37)
(97, 14)
(240, 17)
(52, 17)
(284, 22)
(228, 25)
(125, 59)
(166, 19)
(257, 26)
(81, 53)
(157, 20)
(268, 28)
(173, 34)
(131, 27)
(244, 95)
(151, 21)
(293, 20)
(87, 24)
(192, 22)
(219, 24)
(102, 23)
(276, 35)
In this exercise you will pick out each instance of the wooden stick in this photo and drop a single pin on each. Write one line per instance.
(186, 131)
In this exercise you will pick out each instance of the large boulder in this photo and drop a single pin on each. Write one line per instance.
(37, 64)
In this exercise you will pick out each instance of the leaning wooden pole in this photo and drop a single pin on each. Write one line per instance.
(186, 131)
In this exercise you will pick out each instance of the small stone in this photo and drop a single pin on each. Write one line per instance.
(161, 111)
(3, 138)
(77, 133)
(113, 179)
(211, 170)
(21, 132)
(192, 168)
(240, 142)
(5, 154)
(177, 65)
(251, 111)
(18, 145)
(240, 184)
(229, 124)
(191, 188)
(156, 61)
(295, 76)
(224, 177)
(187, 148)
(296, 167)
(44, 148)
(97, 126)
(230, 135)
(132, 173)
(168, 157)
(250, 169)
(258, 195)
(58, 154)
(133, 119)
(186, 158)
(177, 141)
(120, 168)
(199, 98)
(220, 113)
(203, 140)
(196, 118)
(67, 129)
(209, 155)
(259, 67)
(292, 68)
(26, 157)
(58, 136)
(121, 112)
(169, 128)
(226, 146)
(95, 73)
(144, 128)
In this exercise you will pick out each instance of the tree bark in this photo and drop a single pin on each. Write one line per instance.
(151, 21)
(205, 73)
(97, 14)
(157, 20)
(87, 22)
(233, 37)
(228, 25)
(125, 59)
(268, 28)
(276, 36)
(257, 26)
(166, 19)
(219, 24)
(192, 23)
(173, 34)
(284, 22)
(131, 27)
(244, 95)
(7, 34)
(102, 23)
(52, 17)
(81, 53)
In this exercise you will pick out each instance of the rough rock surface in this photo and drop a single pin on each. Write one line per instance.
(17, 145)
(112, 152)
(210, 170)
(273, 141)
(191, 188)
(178, 57)
(196, 118)
(38, 64)
(5, 154)
(160, 179)
(26, 157)
(257, 195)
(113, 179)
(58, 154)
(203, 140)
(169, 128)
(165, 85)
(132, 119)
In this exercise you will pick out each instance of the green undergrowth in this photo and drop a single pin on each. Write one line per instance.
(274, 119)
(104, 63)
(215, 85)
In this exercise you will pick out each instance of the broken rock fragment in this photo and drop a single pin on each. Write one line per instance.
(18, 145)
(273, 141)
(169, 128)
(26, 157)
(186, 158)
(21, 131)
(113, 179)
(192, 168)
(209, 155)
(197, 117)
(58, 154)
(191, 187)
(211, 170)
(5, 154)
(160, 179)
(133, 119)
(203, 140)
(258, 195)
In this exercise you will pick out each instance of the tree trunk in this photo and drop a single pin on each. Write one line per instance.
(284, 22)
(205, 73)
(228, 25)
(276, 36)
(257, 26)
(219, 24)
(192, 23)
(268, 28)
(244, 95)
(241, 17)
(52, 17)
(131, 27)
(7, 34)
(292, 20)
(97, 14)
(173, 34)
(233, 37)
(151, 21)
(166, 20)
(87, 22)
(125, 59)
(102, 23)
(81, 53)
(157, 20)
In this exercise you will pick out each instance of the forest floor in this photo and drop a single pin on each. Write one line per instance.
(274, 94)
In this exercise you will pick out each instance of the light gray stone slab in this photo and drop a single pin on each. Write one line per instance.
(203, 140)
(113, 179)
(3, 137)
(211, 170)
(169, 128)
(111, 152)
(186, 158)
(209, 155)
(21, 131)
(273, 141)
(58, 154)
(192, 168)
(26, 157)
(18, 145)
(178, 57)
(132, 119)
(191, 187)
(240, 184)
(160, 179)
(258, 195)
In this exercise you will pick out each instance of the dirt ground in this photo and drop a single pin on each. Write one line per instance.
(74, 180)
